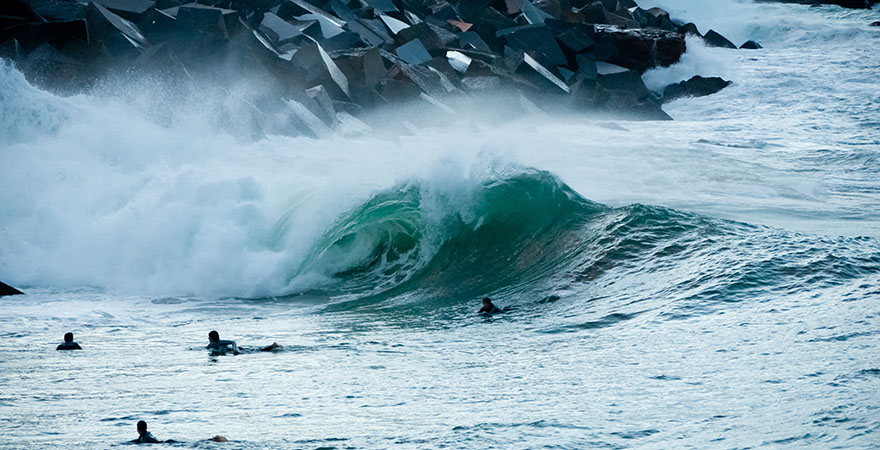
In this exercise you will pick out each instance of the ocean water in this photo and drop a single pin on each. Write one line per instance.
(711, 282)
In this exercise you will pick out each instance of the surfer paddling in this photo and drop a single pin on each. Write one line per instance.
(219, 347)
(145, 437)
(68, 343)
(488, 308)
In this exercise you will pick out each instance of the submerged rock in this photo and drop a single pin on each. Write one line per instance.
(6, 289)
(689, 28)
(696, 86)
(715, 39)
(750, 45)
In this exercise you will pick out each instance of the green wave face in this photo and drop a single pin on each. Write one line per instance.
(514, 229)
(527, 236)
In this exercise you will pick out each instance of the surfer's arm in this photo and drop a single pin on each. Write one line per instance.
(234, 346)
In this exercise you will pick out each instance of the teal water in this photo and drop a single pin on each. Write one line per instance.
(711, 282)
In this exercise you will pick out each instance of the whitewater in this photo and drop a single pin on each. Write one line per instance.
(709, 282)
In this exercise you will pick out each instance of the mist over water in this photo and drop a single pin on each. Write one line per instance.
(710, 281)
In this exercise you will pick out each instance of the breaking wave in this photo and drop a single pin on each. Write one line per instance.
(97, 193)
(527, 236)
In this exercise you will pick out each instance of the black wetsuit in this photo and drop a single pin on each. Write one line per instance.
(68, 346)
(146, 438)
(220, 347)
(492, 309)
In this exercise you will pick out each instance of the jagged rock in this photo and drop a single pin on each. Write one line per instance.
(697, 86)
(472, 41)
(343, 41)
(413, 52)
(586, 66)
(535, 39)
(638, 49)
(322, 98)
(330, 24)
(574, 37)
(640, 16)
(394, 25)
(472, 9)
(488, 25)
(118, 37)
(630, 80)
(459, 61)
(364, 69)
(6, 289)
(30, 36)
(750, 45)
(620, 20)
(714, 39)
(19, 9)
(158, 26)
(449, 77)
(553, 8)
(196, 24)
(532, 14)
(279, 31)
(625, 104)
(604, 68)
(659, 18)
(689, 28)
(385, 6)
(367, 32)
(306, 121)
(394, 90)
(58, 11)
(544, 73)
(481, 84)
(315, 66)
(330, 57)
(422, 32)
(593, 13)
(131, 10)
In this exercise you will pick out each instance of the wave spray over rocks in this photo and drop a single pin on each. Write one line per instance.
(321, 65)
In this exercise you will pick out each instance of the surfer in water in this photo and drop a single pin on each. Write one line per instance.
(145, 437)
(220, 347)
(489, 308)
(68, 343)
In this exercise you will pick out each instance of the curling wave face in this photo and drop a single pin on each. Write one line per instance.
(527, 236)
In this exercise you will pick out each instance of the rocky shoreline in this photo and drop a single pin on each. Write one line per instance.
(328, 62)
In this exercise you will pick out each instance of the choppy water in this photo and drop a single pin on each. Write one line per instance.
(711, 282)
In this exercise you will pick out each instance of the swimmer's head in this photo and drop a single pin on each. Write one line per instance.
(486, 301)
(68, 337)
(142, 427)
(213, 336)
